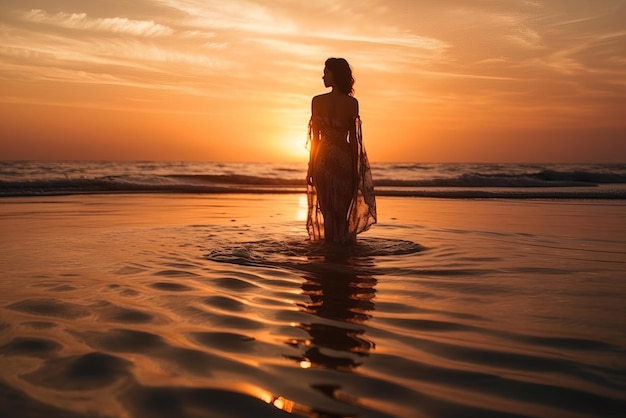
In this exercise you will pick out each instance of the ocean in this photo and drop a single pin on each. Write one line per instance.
(191, 290)
(469, 180)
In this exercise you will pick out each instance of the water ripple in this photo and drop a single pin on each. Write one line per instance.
(388, 328)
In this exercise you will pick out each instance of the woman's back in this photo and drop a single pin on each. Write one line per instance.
(335, 106)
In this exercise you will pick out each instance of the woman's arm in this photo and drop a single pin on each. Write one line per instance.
(354, 142)
(313, 142)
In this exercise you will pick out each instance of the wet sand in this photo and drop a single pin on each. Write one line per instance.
(217, 305)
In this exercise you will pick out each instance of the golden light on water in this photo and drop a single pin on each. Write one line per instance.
(266, 397)
(302, 208)
(284, 404)
(280, 402)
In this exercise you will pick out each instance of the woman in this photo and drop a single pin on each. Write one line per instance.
(339, 180)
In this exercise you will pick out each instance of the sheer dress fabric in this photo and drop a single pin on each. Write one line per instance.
(341, 200)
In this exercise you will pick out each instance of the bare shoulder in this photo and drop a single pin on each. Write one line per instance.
(320, 97)
(318, 101)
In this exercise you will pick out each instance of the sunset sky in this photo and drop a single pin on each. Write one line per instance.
(437, 81)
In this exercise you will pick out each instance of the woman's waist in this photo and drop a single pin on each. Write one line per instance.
(334, 143)
(337, 136)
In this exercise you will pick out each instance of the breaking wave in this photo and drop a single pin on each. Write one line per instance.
(418, 180)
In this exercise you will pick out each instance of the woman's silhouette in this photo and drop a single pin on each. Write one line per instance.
(339, 181)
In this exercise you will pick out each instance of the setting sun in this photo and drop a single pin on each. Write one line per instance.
(292, 148)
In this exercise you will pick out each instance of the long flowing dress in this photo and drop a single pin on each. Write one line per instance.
(341, 197)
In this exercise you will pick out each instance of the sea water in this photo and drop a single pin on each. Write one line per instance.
(591, 181)
(165, 289)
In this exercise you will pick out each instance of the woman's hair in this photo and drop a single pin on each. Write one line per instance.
(342, 74)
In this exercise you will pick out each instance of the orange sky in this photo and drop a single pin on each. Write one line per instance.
(438, 81)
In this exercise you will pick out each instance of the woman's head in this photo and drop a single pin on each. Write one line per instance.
(340, 75)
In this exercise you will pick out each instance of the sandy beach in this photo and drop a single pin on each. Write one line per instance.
(217, 305)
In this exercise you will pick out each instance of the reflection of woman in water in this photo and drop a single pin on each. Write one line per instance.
(342, 291)
(339, 181)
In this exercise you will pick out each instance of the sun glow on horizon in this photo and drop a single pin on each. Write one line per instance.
(292, 148)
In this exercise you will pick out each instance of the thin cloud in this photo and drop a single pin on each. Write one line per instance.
(297, 47)
(511, 27)
(391, 38)
(233, 15)
(109, 24)
(527, 38)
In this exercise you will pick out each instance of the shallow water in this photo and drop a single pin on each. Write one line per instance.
(165, 306)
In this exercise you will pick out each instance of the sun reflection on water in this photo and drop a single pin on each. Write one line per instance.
(302, 208)
(284, 404)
